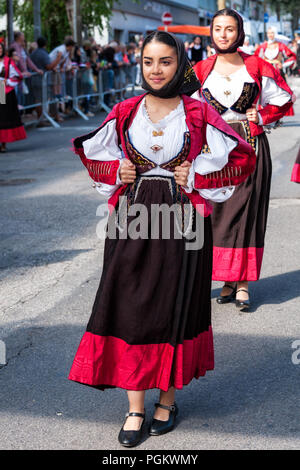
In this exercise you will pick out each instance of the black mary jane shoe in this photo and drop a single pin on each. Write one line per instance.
(242, 304)
(159, 427)
(131, 438)
(225, 299)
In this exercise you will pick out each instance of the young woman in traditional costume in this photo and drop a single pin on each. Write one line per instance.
(233, 83)
(151, 321)
(279, 55)
(11, 127)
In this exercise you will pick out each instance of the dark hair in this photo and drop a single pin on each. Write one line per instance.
(226, 12)
(3, 50)
(159, 36)
(17, 34)
(240, 26)
(11, 51)
(41, 41)
(69, 42)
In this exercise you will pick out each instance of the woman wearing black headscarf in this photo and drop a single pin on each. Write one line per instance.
(151, 323)
(249, 93)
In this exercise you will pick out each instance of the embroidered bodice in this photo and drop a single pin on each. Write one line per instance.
(230, 95)
(157, 148)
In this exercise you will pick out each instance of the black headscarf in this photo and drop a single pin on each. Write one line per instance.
(184, 81)
(3, 50)
(241, 34)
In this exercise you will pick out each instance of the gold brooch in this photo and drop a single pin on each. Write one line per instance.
(157, 133)
(156, 148)
(227, 92)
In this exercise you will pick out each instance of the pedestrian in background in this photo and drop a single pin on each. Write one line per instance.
(42, 60)
(57, 80)
(233, 83)
(11, 127)
(196, 51)
(25, 65)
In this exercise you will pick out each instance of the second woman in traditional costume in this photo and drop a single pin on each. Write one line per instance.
(233, 83)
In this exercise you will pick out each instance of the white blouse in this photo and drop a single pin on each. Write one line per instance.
(218, 84)
(12, 73)
(104, 146)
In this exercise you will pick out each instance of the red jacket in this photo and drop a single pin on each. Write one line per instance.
(7, 63)
(257, 68)
(282, 48)
(241, 160)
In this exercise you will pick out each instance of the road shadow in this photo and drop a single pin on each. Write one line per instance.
(254, 389)
(271, 290)
(21, 259)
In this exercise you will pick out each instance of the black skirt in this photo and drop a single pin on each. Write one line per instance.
(150, 325)
(11, 127)
(239, 224)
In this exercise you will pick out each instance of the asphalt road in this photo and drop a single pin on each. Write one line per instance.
(51, 262)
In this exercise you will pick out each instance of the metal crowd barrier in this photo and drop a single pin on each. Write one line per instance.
(75, 91)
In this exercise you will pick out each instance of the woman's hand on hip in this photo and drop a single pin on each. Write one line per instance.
(252, 114)
(127, 171)
(181, 173)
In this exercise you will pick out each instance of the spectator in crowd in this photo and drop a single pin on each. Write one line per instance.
(247, 47)
(63, 65)
(41, 59)
(120, 77)
(196, 51)
(107, 64)
(86, 75)
(138, 79)
(24, 65)
(25, 62)
(131, 69)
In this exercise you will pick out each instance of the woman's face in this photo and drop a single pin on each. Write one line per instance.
(15, 57)
(271, 34)
(225, 31)
(159, 64)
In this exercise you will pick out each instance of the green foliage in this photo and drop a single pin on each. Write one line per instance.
(54, 20)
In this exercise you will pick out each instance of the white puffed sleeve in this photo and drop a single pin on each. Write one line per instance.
(220, 146)
(271, 93)
(13, 75)
(103, 146)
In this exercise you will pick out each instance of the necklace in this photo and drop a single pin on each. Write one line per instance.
(155, 133)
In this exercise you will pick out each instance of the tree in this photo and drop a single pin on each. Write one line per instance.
(287, 6)
(54, 18)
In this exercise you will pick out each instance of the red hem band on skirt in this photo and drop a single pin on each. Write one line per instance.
(11, 135)
(110, 361)
(296, 173)
(236, 264)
